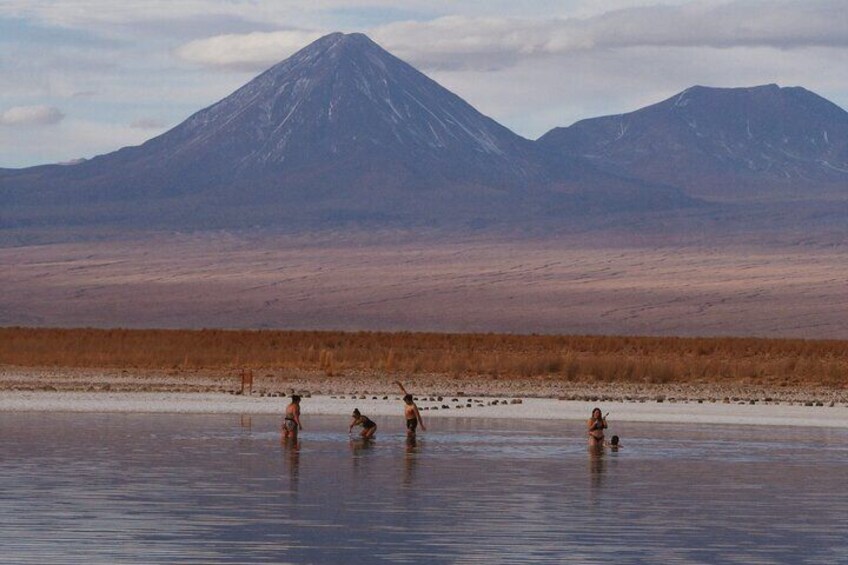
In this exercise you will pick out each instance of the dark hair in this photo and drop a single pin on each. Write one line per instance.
(407, 398)
(614, 440)
(295, 398)
(356, 412)
(601, 414)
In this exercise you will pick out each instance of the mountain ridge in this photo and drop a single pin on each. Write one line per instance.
(344, 133)
(765, 140)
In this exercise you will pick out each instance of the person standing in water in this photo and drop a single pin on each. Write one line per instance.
(411, 413)
(369, 428)
(596, 424)
(291, 421)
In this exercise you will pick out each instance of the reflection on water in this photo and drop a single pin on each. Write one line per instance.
(118, 488)
(597, 468)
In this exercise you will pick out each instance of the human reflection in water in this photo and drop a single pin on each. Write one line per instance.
(246, 422)
(597, 469)
(410, 460)
(359, 448)
(291, 460)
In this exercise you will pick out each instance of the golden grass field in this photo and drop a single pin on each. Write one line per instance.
(651, 360)
(390, 282)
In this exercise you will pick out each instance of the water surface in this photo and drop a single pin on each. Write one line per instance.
(153, 488)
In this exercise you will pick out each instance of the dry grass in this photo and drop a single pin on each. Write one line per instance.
(570, 358)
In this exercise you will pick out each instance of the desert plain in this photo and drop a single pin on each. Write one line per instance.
(395, 282)
(567, 318)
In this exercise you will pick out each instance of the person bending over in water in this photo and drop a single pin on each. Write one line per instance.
(291, 421)
(369, 428)
(597, 424)
(613, 443)
(411, 413)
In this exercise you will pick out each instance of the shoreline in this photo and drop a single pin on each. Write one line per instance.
(216, 392)
(282, 383)
(526, 409)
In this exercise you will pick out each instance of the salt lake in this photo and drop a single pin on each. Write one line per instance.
(221, 488)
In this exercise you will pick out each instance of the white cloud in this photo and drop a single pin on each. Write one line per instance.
(252, 51)
(490, 43)
(31, 115)
(480, 43)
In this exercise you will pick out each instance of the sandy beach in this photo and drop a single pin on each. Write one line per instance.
(88, 390)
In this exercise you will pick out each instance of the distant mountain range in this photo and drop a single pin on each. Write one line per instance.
(343, 133)
(735, 144)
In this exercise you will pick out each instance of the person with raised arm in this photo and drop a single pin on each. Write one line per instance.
(411, 413)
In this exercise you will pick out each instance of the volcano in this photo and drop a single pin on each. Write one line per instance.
(340, 132)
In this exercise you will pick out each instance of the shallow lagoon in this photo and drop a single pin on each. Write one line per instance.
(158, 488)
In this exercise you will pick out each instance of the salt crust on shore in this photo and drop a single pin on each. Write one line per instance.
(529, 408)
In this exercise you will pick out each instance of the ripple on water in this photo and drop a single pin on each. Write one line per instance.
(217, 489)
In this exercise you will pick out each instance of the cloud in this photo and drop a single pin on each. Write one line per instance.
(31, 115)
(252, 51)
(480, 43)
(491, 43)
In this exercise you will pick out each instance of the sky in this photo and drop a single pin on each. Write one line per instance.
(80, 78)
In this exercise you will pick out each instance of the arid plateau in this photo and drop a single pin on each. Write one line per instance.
(562, 286)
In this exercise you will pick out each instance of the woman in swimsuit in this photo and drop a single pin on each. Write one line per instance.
(411, 413)
(369, 428)
(596, 424)
(291, 421)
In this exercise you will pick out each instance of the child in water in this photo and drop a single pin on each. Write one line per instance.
(291, 421)
(411, 413)
(369, 428)
(613, 443)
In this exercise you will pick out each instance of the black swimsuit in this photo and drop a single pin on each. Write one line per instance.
(412, 424)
